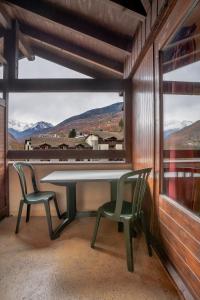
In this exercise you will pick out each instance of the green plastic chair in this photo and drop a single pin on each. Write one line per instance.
(128, 213)
(35, 197)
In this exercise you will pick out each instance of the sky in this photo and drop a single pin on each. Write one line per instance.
(182, 107)
(53, 107)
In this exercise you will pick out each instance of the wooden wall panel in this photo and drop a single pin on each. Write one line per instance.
(3, 203)
(161, 4)
(177, 228)
(141, 34)
(180, 232)
(143, 123)
(148, 22)
(155, 14)
(143, 113)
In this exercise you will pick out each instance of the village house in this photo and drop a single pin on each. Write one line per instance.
(101, 140)
(105, 140)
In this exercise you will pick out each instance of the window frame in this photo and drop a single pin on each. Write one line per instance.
(75, 85)
(167, 87)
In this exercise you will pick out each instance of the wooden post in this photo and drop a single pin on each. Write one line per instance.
(10, 72)
(11, 42)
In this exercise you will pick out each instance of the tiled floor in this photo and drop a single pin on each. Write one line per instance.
(33, 267)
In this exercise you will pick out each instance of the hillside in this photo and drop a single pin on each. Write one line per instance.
(13, 143)
(111, 109)
(104, 118)
(186, 138)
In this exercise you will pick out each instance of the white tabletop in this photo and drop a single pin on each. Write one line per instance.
(83, 175)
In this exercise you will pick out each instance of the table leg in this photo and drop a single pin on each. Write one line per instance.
(70, 214)
(113, 190)
(71, 201)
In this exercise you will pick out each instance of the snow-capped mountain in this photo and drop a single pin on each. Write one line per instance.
(23, 130)
(174, 125)
(41, 125)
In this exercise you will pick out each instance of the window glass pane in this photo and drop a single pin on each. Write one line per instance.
(66, 121)
(181, 114)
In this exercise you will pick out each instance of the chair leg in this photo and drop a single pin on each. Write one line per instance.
(28, 213)
(19, 216)
(134, 229)
(134, 233)
(57, 208)
(129, 246)
(146, 233)
(96, 228)
(120, 227)
(49, 222)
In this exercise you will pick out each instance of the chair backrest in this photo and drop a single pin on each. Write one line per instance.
(138, 180)
(19, 167)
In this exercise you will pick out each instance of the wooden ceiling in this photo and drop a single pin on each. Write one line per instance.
(90, 36)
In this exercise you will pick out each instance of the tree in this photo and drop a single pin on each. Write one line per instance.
(121, 124)
(72, 133)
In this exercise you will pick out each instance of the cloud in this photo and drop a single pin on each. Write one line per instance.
(53, 107)
(181, 107)
(189, 73)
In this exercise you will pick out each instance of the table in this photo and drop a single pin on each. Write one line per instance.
(69, 179)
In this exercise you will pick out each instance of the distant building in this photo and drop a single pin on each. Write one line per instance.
(100, 140)
(28, 145)
(63, 146)
(45, 146)
(92, 140)
(105, 140)
(58, 143)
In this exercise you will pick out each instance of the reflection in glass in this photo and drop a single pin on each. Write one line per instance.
(181, 114)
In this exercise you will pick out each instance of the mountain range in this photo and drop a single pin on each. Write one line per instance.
(30, 129)
(104, 118)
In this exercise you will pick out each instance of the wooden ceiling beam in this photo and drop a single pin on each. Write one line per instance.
(25, 48)
(76, 22)
(70, 47)
(77, 66)
(146, 4)
(64, 85)
(135, 6)
(5, 20)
